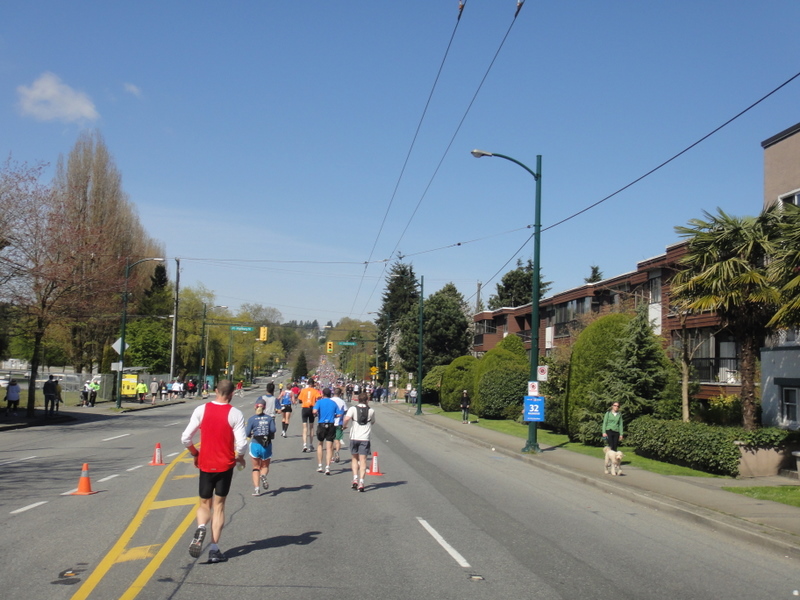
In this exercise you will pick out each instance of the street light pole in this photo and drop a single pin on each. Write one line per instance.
(204, 347)
(128, 268)
(532, 444)
(419, 348)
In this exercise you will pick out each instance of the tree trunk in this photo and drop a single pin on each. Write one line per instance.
(685, 371)
(38, 335)
(747, 371)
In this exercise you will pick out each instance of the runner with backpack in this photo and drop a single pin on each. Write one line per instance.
(363, 417)
(260, 428)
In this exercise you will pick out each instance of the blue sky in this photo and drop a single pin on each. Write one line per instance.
(265, 142)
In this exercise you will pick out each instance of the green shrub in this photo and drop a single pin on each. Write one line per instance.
(458, 376)
(431, 385)
(708, 448)
(590, 359)
(496, 359)
(724, 409)
(499, 389)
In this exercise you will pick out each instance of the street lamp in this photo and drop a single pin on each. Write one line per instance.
(128, 268)
(532, 445)
(204, 348)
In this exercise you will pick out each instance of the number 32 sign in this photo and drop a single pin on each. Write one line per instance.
(533, 409)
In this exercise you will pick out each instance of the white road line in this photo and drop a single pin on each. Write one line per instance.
(134, 468)
(69, 493)
(13, 460)
(450, 550)
(116, 437)
(107, 478)
(30, 506)
(171, 424)
(172, 454)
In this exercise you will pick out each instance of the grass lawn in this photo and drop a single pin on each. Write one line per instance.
(785, 494)
(548, 438)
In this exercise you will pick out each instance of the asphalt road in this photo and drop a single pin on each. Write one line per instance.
(448, 519)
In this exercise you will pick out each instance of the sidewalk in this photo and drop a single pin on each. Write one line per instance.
(103, 409)
(699, 499)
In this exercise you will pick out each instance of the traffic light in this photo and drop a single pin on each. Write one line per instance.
(330, 347)
(227, 364)
(262, 334)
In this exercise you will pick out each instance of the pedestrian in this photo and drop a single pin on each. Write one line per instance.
(612, 426)
(141, 391)
(413, 395)
(362, 417)
(49, 391)
(59, 396)
(164, 390)
(223, 441)
(286, 401)
(338, 423)
(85, 393)
(465, 407)
(326, 411)
(153, 391)
(12, 398)
(308, 398)
(260, 428)
(94, 387)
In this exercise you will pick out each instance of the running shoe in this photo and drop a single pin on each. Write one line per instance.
(327, 470)
(336, 457)
(256, 492)
(305, 448)
(361, 487)
(264, 483)
(355, 484)
(216, 556)
(196, 547)
(319, 469)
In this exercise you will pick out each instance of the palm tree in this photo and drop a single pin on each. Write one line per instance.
(725, 270)
(785, 268)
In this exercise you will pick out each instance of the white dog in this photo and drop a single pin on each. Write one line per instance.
(613, 462)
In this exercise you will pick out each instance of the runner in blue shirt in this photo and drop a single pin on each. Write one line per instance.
(326, 411)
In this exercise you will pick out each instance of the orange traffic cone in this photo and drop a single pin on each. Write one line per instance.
(84, 483)
(157, 461)
(373, 468)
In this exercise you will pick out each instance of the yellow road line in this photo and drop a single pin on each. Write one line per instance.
(119, 547)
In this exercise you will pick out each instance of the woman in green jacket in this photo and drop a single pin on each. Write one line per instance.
(612, 426)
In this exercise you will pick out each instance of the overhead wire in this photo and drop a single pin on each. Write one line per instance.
(461, 5)
(452, 140)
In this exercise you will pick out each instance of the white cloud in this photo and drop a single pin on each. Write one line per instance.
(133, 89)
(50, 99)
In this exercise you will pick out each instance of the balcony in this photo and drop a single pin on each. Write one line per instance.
(717, 370)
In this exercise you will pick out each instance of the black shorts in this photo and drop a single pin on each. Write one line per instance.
(308, 414)
(287, 408)
(326, 432)
(215, 483)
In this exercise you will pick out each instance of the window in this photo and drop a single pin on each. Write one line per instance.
(655, 289)
(789, 403)
(792, 198)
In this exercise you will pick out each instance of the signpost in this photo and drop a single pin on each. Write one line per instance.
(347, 343)
(241, 328)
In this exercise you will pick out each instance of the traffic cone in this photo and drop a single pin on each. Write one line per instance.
(84, 483)
(373, 468)
(157, 459)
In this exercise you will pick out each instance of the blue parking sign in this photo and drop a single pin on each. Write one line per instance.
(534, 409)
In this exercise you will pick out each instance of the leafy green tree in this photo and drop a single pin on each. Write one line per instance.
(588, 362)
(595, 276)
(554, 390)
(400, 298)
(300, 367)
(150, 345)
(484, 400)
(432, 384)
(446, 331)
(784, 268)
(458, 376)
(726, 270)
(514, 344)
(635, 376)
(515, 287)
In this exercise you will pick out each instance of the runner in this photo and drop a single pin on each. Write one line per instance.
(308, 398)
(223, 442)
(286, 401)
(326, 411)
(269, 400)
(260, 429)
(337, 441)
(363, 417)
